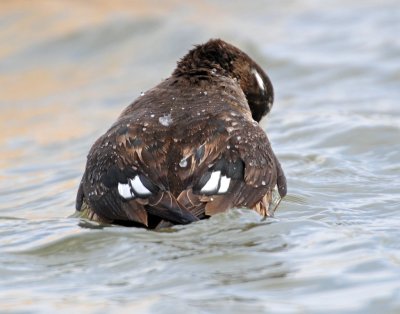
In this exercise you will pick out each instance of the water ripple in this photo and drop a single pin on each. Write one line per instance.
(66, 73)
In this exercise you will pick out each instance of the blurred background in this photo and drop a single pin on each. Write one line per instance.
(68, 68)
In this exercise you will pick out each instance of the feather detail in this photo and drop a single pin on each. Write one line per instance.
(167, 207)
(189, 148)
(136, 212)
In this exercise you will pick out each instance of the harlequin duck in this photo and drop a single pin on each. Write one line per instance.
(189, 148)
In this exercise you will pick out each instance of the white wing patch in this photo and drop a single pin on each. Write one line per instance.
(212, 183)
(259, 79)
(216, 183)
(133, 188)
(138, 186)
(125, 191)
(224, 185)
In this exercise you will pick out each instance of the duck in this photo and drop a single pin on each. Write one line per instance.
(189, 148)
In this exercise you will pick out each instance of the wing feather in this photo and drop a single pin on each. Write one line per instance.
(174, 160)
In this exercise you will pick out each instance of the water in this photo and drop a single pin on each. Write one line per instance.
(66, 72)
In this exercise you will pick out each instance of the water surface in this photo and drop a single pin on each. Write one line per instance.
(67, 69)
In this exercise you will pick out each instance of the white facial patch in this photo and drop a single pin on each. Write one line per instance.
(224, 185)
(259, 79)
(138, 186)
(216, 184)
(125, 191)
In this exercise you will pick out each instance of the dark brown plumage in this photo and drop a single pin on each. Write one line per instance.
(188, 148)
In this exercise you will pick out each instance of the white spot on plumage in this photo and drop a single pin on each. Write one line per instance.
(125, 191)
(165, 120)
(212, 183)
(139, 187)
(224, 185)
(183, 163)
(259, 79)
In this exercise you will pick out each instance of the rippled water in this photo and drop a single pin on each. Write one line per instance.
(68, 68)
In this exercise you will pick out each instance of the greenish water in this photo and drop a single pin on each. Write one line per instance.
(67, 69)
